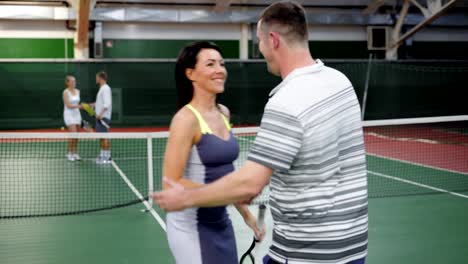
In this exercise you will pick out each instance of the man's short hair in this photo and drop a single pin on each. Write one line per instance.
(102, 75)
(288, 19)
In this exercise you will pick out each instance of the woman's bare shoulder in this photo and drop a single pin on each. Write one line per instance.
(184, 118)
(224, 110)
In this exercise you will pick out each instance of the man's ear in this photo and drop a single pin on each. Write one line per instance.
(274, 39)
(189, 74)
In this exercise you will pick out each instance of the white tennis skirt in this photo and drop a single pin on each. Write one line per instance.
(72, 118)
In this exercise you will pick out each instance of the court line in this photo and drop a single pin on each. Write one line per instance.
(418, 184)
(140, 196)
(416, 164)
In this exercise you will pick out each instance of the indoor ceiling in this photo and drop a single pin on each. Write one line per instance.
(306, 3)
(362, 12)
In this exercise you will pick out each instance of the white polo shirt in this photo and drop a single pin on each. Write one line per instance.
(311, 136)
(104, 100)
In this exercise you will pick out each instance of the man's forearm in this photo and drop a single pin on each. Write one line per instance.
(103, 111)
(228, 190)
(239, 186)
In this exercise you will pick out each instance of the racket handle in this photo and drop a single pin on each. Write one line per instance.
(104, 124)
(261, 216)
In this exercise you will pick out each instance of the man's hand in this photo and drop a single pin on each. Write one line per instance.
(99, 117)
(173, 199)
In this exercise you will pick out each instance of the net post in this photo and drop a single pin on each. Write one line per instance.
(366, 87)
(149, 145)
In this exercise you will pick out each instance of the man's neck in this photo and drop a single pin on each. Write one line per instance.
(295, 59)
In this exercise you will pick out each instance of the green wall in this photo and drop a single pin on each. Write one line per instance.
(339, 49)
(138, 48)
(125, 48)
(333, 49)
(436, 50)
(35, 48)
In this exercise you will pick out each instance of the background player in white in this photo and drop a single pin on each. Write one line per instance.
(103, 108)
(71, 114)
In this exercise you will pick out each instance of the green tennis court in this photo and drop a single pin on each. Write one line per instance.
(94, 213)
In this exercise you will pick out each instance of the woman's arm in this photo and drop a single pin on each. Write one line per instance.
(250, 220)
(243, 209)
(67, 102)
(182, 136)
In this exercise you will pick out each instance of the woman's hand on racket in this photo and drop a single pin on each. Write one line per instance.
(251, 221)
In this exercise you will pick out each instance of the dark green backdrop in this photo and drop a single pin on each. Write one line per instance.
(167, 48)
(144, 93)
(36, 48)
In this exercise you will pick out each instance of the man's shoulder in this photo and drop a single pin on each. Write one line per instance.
(337, 76)
(104, 87)
(308, 89)
(295, 96)
(280, 104)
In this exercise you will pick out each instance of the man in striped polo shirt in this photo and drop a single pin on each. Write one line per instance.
(310, 147)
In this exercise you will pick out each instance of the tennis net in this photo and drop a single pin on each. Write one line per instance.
(404, 157)
(36, 178)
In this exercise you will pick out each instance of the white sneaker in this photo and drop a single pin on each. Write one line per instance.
(77, 157)
(101, 160)
(71, 157)
(107, 160)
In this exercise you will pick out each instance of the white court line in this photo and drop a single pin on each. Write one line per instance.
(142, 199)
(418, 184)
(416, 164)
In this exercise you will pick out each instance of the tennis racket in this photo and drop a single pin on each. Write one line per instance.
(88, 109)
(86, 126)
(260, 222)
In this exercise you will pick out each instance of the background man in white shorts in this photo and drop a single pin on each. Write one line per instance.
(103, 108)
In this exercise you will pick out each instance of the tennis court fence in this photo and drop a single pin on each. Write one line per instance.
(143, 87)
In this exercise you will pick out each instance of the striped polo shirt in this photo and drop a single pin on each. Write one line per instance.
(311, 136)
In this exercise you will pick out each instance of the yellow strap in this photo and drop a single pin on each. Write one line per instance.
(205, 129)
(226, 122)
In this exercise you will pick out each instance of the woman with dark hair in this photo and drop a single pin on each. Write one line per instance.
(201, 149)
